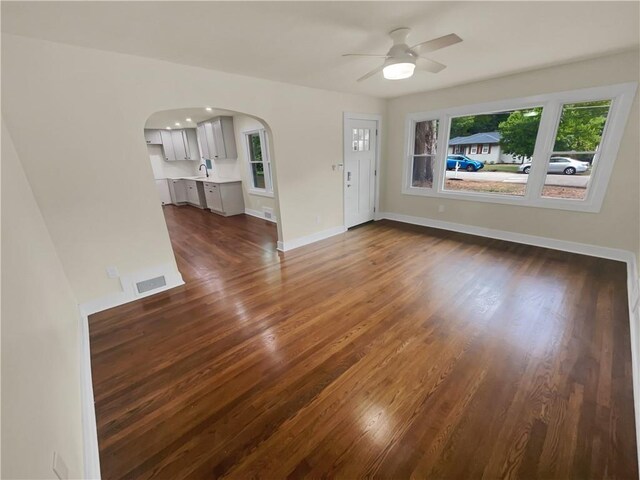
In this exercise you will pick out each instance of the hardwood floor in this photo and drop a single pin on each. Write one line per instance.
(391, 351)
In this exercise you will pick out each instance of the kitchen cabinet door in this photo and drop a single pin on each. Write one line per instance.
(192, 193)
(213, 197)
(211, 146)
(218, 139)
(202, 140)
(178, 191)
(152, 137)
(179, 144)
(167, 145)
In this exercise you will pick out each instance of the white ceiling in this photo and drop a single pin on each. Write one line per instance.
(168, 118)
(302, 42)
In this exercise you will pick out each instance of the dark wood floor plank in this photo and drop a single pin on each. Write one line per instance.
(390, 351)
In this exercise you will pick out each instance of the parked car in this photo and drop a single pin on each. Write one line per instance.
(565, 165)
(464, 163)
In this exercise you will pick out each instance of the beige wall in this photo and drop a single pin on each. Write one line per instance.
(615, 226)
(60, 102)
(40, 351)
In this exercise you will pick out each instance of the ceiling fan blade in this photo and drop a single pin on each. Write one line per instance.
(436, 44)
(363, 55)
(430, 65)
(371, 73)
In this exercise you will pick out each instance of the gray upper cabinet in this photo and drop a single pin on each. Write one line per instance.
(202, 140)
(152, 137)
(217, 139)
(167, 145)
(180, 144)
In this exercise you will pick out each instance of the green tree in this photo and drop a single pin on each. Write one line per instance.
(471, 124)
(580, 129)
(518, 133)
(581, 126)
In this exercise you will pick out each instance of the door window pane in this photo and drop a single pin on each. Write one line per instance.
(576, 146)
(424, 153)
(360, 139)
(499, 166)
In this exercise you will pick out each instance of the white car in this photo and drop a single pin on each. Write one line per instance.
(565, 165)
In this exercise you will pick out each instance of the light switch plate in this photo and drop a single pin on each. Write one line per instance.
(112, 272)
(59, 467)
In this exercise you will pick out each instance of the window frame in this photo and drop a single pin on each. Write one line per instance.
(621, 96)
(266, 162)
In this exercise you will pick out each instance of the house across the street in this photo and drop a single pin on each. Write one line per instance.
(484, 147)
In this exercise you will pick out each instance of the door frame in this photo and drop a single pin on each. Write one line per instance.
(346, 147)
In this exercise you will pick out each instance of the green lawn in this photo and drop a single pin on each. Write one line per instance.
(501, 167)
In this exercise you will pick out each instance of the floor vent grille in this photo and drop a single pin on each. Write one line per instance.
(151, 284)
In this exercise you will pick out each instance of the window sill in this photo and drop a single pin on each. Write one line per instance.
(260, 193)
(543, 202)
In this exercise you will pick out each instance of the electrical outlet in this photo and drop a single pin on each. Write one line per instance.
(112, 272)
(440, 208)
(318, 219)
(59, 467)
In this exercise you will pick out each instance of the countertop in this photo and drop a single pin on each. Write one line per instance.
(210, 179)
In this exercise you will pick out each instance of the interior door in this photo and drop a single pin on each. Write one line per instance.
(359, 171)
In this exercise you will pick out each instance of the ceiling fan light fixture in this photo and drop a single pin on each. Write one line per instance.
(398, 71)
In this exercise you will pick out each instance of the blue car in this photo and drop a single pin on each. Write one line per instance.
(464, 163)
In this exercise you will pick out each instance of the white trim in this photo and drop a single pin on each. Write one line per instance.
(314, 237)
(129, 294)
(259, 214)
(266, 163)
(633, 296)
(621, 96)
(362, 116)
(90, 450)
(633, 281)
(259, 192)
(563, 245)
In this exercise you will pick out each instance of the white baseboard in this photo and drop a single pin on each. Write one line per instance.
(633, 281)
(563, 245)
(315, 237)
(173, 279)
(91, 453)
(259, 214)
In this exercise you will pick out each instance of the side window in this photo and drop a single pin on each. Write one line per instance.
(425, 139)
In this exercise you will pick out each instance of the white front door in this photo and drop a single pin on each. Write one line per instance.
(359, 170)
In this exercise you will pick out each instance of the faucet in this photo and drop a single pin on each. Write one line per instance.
(206, 170)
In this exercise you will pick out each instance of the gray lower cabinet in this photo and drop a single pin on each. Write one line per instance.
(178, 191)
(224, 198)
(193, 197)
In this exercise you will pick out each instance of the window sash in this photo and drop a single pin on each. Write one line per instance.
(266, 162)
(621, 97)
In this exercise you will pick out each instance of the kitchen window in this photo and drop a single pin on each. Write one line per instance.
(553, 151)
(258, 163)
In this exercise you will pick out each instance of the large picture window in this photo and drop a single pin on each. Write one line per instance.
(259, 164)
(553, 151)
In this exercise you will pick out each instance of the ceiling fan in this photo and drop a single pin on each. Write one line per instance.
(401, 60)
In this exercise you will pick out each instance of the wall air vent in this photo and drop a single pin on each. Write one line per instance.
(268, 213)
(151, 284)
